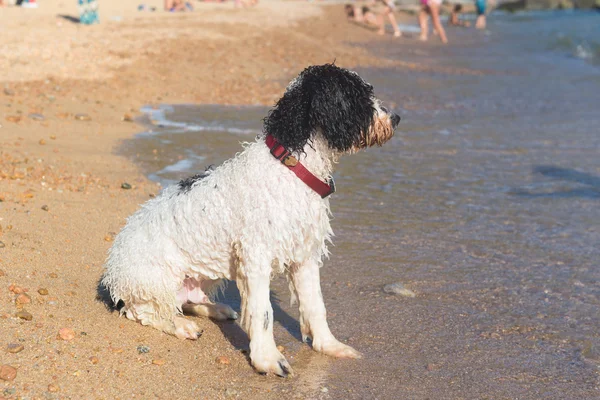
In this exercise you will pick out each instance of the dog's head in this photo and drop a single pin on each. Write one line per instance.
(333, 102)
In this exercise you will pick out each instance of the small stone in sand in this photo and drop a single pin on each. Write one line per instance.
(127, 118)
(45, 207)
(43, 292)
(14, 118)
(2, 273)
(143, 349)
(398, 288)
(83, 117)
(14, 348)
(9, 92)
(158, 361)
(53, 388)
(16, 289)
(66, 334)
(36, 117)
(42, 142)
(2, 245)
(24, 315)
(125, 186)
(231, 392)
(53, 275)
(222, 360)
(280, 348)
(53, 137)
(8, 373)
(23, 299)
(94, 360)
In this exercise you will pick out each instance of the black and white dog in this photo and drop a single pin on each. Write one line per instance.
(265, 211)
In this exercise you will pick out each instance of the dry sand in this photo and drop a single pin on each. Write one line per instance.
(67, 93)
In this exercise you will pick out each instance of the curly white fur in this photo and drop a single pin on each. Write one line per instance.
(246, 220)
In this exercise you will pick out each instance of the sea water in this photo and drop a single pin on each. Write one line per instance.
(486, 204)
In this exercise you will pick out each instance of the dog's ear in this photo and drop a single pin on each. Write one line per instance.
(326, 99)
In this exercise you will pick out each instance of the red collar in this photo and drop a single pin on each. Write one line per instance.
(324, 189)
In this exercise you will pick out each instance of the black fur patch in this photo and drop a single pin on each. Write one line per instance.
(185, 185)
(324, 97)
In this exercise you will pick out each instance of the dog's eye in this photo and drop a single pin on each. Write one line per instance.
(385, 110)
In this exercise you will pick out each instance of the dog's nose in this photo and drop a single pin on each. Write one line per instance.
(395, 120)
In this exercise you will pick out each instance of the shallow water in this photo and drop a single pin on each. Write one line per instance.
(486, 203)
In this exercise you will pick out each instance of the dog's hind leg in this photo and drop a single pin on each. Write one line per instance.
(177, 325)
(306, 287)
(196, 302)
(257, 320)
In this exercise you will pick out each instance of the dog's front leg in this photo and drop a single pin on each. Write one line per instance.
(313, 317)
(257, 320)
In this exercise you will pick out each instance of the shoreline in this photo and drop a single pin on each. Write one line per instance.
(62, 201)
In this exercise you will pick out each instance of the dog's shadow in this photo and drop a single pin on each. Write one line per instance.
(230, 329)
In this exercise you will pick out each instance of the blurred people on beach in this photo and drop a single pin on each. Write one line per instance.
(88, 12)
(245, 3)
(178, 5)
(480, 5)
(380, 9)
(368, 18)
(431, 8)
(455, 17)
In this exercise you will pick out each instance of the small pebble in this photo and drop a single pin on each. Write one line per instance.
(9, 92)
(8, 373)
(14, 348)
(125, 186)
(94, 360)
(398, 288)
(83, 117)
(13, 118)
(231, 392)
(143, 349)
(127, 118)
(42, 142)
(24, 315)
(324, 390)
(222, 360)
(53, 137)
(280, 348)
(43, 292)
(45, 207)
(53, 275)
(2, 245)
(53, 388)
(2, 273)
(66, 334)
(23, 299)
(158, 361)
(36, 117)
(16, 289)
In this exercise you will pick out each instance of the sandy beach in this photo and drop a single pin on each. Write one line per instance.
(502, 260)
(68, 95)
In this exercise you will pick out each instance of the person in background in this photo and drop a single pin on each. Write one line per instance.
(480, 5)
(367, 16)
(382, 9)
(88, 12)
(455, 17)
(431, 8)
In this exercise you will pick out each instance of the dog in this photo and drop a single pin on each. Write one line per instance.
(263, 212)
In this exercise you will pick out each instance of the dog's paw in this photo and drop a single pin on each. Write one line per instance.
(186, 329)
(335, 348)
(272, 363)
(223, 312)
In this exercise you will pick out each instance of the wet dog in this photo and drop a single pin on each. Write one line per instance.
(265, 211)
